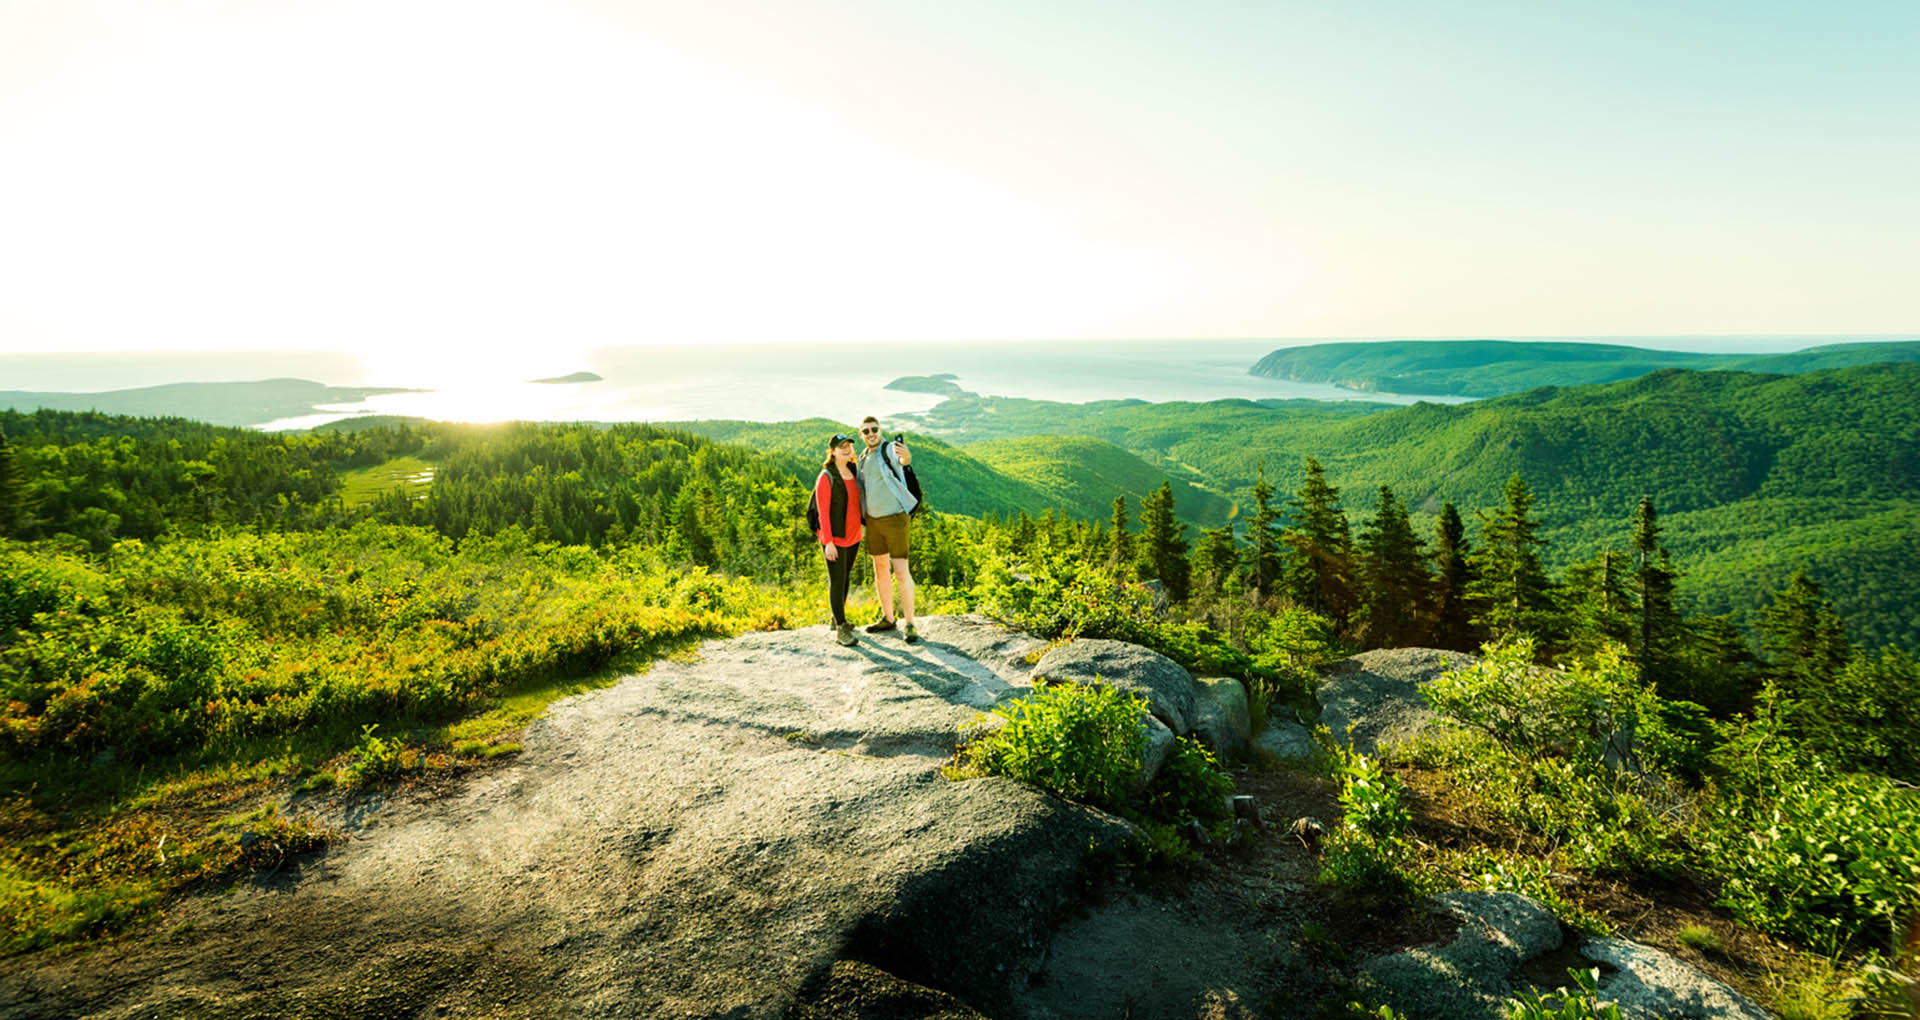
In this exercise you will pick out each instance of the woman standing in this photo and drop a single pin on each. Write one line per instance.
(836, 521)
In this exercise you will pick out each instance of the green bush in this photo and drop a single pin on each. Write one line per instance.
(376, 759)
(1084, 743)
(1369, 851)
(1582, 756)
(1068, 598)
(1817, 855)
(1191, 785)
(1578, 1003)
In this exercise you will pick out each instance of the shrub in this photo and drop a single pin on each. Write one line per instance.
(1577, 1003)
(377, 759)
(1506, 871)
(1369, 850)
(1580, 756)
(1084, 743)
(1191, 785)
(1817, 855)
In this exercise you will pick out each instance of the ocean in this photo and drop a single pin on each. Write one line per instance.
(768, 382)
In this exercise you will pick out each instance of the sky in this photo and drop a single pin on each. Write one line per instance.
(417, 181)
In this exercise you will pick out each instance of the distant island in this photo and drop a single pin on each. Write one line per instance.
(577, 377)
(1491, 368)
(941, 383)
(220, 403)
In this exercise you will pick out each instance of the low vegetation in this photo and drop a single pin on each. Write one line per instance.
(195, 624)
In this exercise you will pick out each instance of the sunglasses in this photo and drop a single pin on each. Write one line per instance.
(869, 431)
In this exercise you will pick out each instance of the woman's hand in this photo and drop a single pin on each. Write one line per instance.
(833, 552)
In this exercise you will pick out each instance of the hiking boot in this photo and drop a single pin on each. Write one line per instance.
(843, 633)
(913, 636)
(880, 628)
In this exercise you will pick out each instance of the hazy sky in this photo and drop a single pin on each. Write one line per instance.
(396, 177)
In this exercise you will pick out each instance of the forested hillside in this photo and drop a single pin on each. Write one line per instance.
(955, 480)
(1820, 469)
(1488, 368)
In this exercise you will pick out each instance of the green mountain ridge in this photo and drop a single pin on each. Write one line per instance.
(1083, 474)
(1488, 368)
(1841, 447)
(220, 403)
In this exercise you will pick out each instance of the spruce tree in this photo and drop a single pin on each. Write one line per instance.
(1511, 589)
(1321, 574)
(1599, 609)
(1452, 612)
(1214, 559)
(1265, 563)
(13, 492)
(1804, 641)
(1163, 543)
(1393, 571)
(1122, 557)
(1657, 630)
(1717, 668)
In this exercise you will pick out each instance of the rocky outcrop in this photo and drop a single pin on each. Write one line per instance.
(1470, 976)
(1166, 684)
(718, 837)
(1648, 984)
(1374, 697)
(1474, 975)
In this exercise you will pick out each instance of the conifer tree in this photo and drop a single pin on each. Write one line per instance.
(1265, 563)
(1452, 612)
(1599, 610)
(1163, 543)
(689, 538)
(1511, 589)
(1657, 630)
(1803, 638)
(13, 492)
(1122, 556)
(1717, 667)
(1393, 571)
(1214, 559)
(1321, 574)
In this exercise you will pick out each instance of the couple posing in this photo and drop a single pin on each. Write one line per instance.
(867, 494)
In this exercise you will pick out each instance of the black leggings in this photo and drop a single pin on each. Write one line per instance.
(839, 578)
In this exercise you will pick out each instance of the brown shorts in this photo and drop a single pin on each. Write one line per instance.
(887, 536)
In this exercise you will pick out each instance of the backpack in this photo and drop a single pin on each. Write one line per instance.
(913, 482)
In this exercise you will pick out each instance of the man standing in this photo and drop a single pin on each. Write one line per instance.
(889, 499)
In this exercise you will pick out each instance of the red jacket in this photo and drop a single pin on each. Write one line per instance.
(844, 498)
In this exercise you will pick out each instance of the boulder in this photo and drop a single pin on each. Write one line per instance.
(1478, 972)
(1119, 665)
(1288, 741)
(1374, 698)
(1159, 749)
(1470, 976)
(1648, 984)
(1221, 719)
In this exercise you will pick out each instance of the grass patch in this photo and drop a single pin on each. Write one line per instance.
(1698, 937)
(182, 697)
(411, 475)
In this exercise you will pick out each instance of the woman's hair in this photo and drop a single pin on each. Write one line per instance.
(837, 440)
